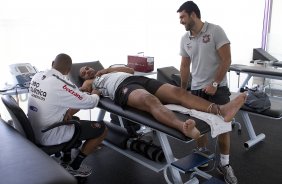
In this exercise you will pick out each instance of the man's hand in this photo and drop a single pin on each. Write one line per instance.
(210, 89)
(69, 114)
(102, 72)
(86, 86)
(94, 91)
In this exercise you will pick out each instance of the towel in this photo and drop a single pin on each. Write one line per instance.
(216, 122)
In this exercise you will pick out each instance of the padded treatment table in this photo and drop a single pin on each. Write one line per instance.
(256, 71)
(148, 120)
(166, 74)
(171, 75)
(277, 64)
(23, 162)
(274, 112)
(144, 119)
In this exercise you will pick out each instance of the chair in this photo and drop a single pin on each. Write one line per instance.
(23, 125)
(23, 162)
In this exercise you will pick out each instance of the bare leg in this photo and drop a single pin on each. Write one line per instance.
(175, 95)
(224, 143)
(91, 144)
(145, 101)
(229, 110)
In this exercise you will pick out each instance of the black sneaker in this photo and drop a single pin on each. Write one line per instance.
(206, 153)
(227, 173)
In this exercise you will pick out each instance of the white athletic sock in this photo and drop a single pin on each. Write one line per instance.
(224, 159)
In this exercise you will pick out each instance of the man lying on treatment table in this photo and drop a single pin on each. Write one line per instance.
(146, 94)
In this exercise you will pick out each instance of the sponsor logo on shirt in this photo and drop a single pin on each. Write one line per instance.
(36, 92)
(65, 87)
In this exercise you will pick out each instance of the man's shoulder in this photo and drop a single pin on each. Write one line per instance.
(212, 26)
(46, 73)
(38, 75)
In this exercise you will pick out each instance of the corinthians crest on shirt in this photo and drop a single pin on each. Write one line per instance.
(206, 38)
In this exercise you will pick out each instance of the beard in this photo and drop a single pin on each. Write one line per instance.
(189, 25)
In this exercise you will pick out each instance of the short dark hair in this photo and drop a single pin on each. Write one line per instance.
(62, 63)
(189, 7)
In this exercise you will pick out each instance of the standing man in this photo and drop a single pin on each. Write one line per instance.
(53, 98)
(206, 47)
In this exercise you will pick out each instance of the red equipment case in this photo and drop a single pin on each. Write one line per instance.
(141, 63)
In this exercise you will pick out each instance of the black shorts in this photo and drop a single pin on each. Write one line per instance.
(91, 129)
(132, 83)
(221, 96)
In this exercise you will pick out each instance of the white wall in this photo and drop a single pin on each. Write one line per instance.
(275, 36)
(36, 31)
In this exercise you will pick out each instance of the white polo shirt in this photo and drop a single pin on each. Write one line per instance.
(202, 50)
(51, 94)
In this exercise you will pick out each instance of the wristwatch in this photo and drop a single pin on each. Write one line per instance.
(215, 84)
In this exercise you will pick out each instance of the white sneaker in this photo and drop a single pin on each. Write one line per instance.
(228, 173)
(83, 171)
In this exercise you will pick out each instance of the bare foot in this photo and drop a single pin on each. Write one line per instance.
(229, 110)
(190, 130)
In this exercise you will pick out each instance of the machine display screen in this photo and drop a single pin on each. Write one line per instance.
(23, 69)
